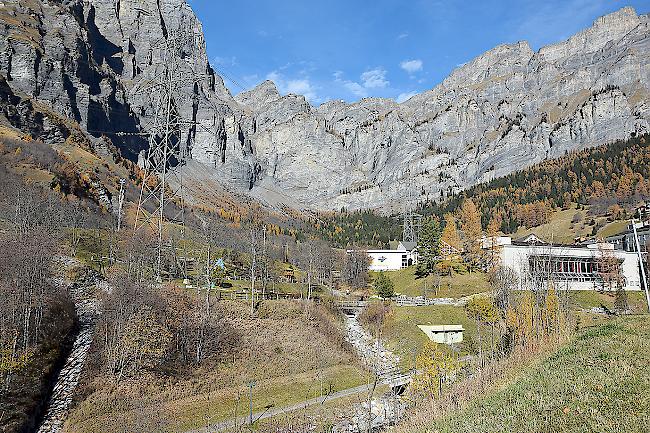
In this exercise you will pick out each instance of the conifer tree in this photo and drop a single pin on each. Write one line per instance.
(472, 231)
(450, 233)
(428, 247)
(384, 286)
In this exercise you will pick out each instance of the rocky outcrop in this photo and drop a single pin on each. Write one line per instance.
(87, 60)
(504, 110)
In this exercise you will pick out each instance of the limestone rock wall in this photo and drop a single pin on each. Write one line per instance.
(504, 110)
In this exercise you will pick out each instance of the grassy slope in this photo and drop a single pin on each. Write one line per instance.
(402, 335)
(456, 286)
(560, 229)
(284, 350)
(598, 382)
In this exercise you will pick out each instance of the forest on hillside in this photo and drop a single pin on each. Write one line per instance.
(611, 179)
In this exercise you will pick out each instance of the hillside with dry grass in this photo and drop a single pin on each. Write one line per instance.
(598, 381)
(289, 349)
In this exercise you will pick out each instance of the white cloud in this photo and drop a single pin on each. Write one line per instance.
(411, 66)
(297, 86)
(302, 87)
(405, 96)
(356, 89)
(275, 77)
(374, 79)
(402, 36)
(351, 86)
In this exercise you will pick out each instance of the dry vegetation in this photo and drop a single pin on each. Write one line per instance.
(288, 348)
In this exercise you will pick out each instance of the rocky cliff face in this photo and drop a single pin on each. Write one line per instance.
(504, 110)
(86, 59)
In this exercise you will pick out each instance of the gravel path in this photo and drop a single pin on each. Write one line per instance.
(260, 415)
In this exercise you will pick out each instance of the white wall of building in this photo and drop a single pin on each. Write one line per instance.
(390, 260)
(443, 334)
(516, 257)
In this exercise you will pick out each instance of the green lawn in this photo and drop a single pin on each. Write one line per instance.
(591, 298)
(403, 337)
(455, 286)
(598, 382)
(612, 228)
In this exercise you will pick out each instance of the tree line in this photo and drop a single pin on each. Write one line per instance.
(603, 177)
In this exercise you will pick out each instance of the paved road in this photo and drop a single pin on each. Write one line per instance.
(227, 424)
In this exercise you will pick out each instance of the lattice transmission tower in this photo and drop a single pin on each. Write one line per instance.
(410, 220)
(170, 136)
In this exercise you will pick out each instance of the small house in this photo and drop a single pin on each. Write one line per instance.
(443, 334)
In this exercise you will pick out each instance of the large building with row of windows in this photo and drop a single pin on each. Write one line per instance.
(569, 267)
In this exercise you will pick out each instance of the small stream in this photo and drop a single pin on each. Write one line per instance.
(386, 409)
(87, 308)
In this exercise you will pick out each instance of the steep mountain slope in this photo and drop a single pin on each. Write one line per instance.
(504, 110)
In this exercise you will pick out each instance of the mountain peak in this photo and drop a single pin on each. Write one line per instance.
(608, 28)
(259, 95)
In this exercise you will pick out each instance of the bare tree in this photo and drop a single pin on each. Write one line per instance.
(355, 269)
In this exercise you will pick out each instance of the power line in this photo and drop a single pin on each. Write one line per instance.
(229, 78)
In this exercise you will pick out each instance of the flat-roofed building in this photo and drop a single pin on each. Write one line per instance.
(443, 334)
(568, 267)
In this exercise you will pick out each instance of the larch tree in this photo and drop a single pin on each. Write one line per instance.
(434, 366)
(472, 231)
(450, 234)
(493, 233)
(484, 312)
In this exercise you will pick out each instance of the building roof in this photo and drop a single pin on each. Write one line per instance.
(531, 239)
(441, 328)
(408, 245)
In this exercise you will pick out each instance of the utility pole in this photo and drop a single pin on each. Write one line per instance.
(644, 281)
(265, 274)
(410, 220)
(120, 204)
(161, 202)
(251, 384)
(253, 264)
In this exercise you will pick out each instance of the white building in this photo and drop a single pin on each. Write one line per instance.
(570, 267)
(443, 334)
(403, 256)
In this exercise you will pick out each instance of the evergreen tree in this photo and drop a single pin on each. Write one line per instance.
(384, 286)
(428, 246)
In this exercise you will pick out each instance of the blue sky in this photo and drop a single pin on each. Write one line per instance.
(349, 49)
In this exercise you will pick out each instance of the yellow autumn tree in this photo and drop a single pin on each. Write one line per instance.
(450, 233)
(434, 366)
(551, 313)
(484, 312)
(470, 219)
(526, 315)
